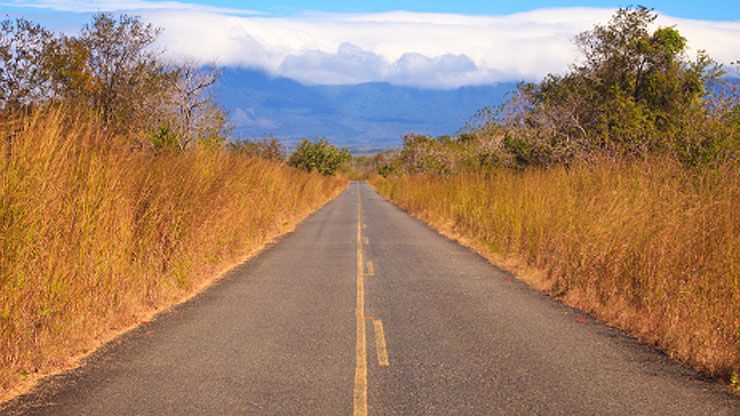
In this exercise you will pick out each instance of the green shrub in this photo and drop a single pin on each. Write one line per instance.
(320, 156)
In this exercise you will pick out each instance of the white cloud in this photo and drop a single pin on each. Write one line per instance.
(349, 65)
(422, 49)
(407, 48)
(443, 71)
(430, 50)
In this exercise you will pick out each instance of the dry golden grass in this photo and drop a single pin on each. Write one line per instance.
(648, 247)
(94, 235)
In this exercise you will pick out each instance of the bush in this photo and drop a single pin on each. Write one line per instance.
(319, 156)
(266, 148)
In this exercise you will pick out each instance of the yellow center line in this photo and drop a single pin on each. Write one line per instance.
(360, 390)
(380, 347)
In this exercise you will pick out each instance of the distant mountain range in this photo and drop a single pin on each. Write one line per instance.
(363, 117)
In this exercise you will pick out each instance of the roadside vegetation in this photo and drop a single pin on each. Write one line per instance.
(120, 192)
(613, 187)
(319, 156)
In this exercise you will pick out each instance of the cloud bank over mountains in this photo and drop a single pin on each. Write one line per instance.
(404, 48)
(430, 50)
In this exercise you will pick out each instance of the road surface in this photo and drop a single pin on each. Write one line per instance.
(364, 310)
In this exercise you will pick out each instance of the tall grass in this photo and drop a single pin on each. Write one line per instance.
(93, 234)
(649, 247)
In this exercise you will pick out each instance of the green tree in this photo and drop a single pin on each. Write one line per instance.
(320, 156)
(634, 94)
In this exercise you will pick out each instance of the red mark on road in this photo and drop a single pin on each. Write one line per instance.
(507, 278)
(581, 320)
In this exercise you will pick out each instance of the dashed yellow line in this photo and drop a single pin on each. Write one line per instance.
(360, 390)
(370, 268)
(380, 347)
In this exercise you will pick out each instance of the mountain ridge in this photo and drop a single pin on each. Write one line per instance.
(362, 116)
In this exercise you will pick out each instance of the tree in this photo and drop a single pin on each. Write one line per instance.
(197, 112)
(130, 82)
(267, 148)
(422, 153)
(635, 94)
(319, 156)
(66, 63)
(111, 72)
(24, 77)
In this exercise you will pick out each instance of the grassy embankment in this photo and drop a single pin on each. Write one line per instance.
(649, 247)
(94, 236)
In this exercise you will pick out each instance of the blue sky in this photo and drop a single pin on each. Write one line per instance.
(722, 10)
(430, 44)
(708, 9)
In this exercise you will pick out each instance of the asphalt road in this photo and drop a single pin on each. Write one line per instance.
(381, 317)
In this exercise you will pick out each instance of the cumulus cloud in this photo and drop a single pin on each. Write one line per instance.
(350, 64)
(419, 49)
(443, 71)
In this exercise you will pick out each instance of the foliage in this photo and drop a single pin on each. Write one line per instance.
(319, 156)
(24, 75)
(125, 71)
(634, 95)
(110, 72)
(163, 139)
(267, 148)
(366, 166)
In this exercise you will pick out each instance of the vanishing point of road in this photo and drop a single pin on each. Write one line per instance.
(364, 310)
